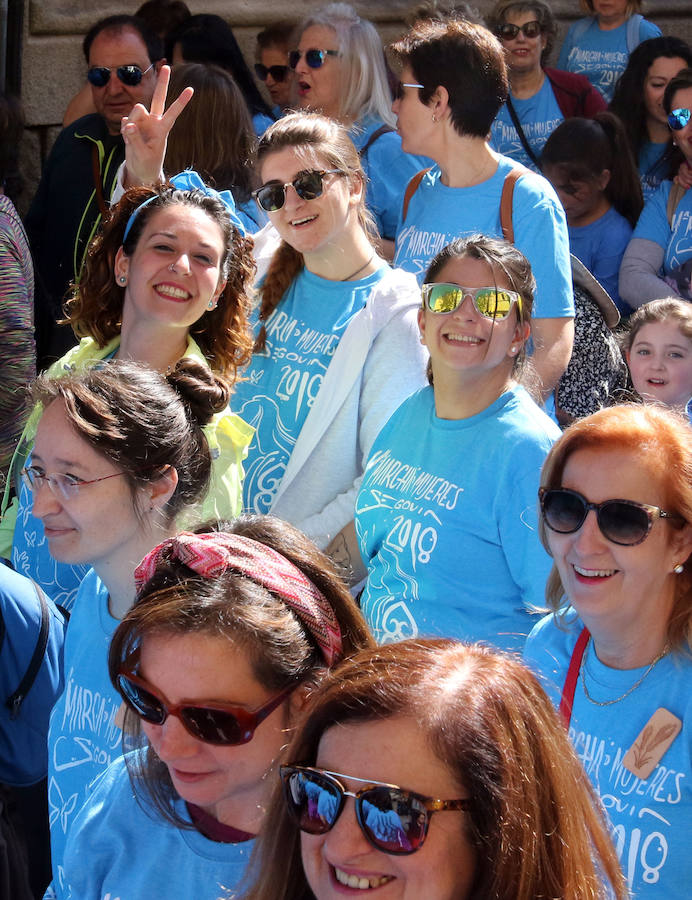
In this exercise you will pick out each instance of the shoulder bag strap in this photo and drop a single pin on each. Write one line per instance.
(383, 129)
(506, 203)
(411, 189)
(570, 685)
(520, 131)
(15, 700)
(633, 26)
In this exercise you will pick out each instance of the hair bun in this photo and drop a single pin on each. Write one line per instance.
(203, 391)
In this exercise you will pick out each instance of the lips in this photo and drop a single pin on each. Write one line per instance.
(172, 292)
(303, 88)
(304, 220)
(469, 339)
(586, 576)
(188, 777)
(360, 882)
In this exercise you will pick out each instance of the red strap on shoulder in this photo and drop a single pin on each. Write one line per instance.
(570, 684)
(506, 201)
(411, 189)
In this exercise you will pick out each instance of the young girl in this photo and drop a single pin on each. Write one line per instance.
(590, 163)
(599, 45)
(229, 633)
(119, 454)
(658, 349)
(445, 513)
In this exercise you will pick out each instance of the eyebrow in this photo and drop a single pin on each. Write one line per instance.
(174, 237)
(665, 346)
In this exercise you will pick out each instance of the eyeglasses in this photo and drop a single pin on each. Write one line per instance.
(508, 32)
(314, 58)
(392, 819)
(278, 73)
(213, 723)
(131, 76)
(622, 522)
(308, 186)
(489, 302)
(65, 486)
(679, 118)
(399, 89)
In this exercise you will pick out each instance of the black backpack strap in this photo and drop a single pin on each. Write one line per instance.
(15, 700)
(522, 137)
(383, 129)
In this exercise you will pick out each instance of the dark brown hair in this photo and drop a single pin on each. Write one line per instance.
(533, 818)
(95, 309)
(144, 422)
(542, 12)
(280, 648)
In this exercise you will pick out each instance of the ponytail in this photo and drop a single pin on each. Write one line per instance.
(285, 265)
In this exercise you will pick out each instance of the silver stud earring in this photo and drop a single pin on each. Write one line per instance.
(211, 305)
(434, 118)
(171, 268)
(122, 280)
(679, 569)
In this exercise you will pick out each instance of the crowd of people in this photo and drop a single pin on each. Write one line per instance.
(357, 443)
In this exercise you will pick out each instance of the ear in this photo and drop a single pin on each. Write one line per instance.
(298, 699)
(681, 544)
(160, 491)
(217, 293)
(355, 187)
(421, 324)
(604, 179)
(439, 102)
(121, 266)
(521, 336)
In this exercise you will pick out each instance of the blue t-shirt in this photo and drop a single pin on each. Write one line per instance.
(83, 737)
(388, 170)
(600, 55)
(119, 851)
(260, 122)
(652, 166)
(446, 519)
(438, 214)
(651, 818)
(23, 740)
(539, 116)
(600, 246)
(281, 383)
(676, 240)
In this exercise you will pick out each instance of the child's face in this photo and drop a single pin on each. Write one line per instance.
(660, 362)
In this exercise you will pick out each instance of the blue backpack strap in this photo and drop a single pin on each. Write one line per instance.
(581, 26)
(15, 700)
(633, 25)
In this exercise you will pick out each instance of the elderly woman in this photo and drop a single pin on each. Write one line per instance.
(539, 98)
(340, 72)
(453, 82)
(616, 502)
(449, 752)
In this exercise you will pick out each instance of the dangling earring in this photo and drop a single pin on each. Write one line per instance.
(679, 569)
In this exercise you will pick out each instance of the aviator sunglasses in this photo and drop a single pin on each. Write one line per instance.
(392, 819)
(530, 29)
(308, 186)
(623, 522)
(278, 73)
(213, 723)
(678, 118)
(131, 76)
(489, 302)
(314, 58)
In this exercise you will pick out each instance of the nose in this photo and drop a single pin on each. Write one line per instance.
(181, 265)
(589, 538)
(45, 502)
(293, 199)
(466, 311)
(346, 841)
(172, 741)
(302, 66)
(395, 105)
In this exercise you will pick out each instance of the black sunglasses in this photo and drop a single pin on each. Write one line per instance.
(131, 76)
(213, 723)
(392, 819)
(529, 29)
(278, 73)
(623, 522)
(314, 58)
(308, 186)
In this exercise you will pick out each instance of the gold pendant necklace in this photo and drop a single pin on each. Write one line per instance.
(582, 669)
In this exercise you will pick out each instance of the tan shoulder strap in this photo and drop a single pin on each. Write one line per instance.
(411, 189)
(506, 202)
(677, 192)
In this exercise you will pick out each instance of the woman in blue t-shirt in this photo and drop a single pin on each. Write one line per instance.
(445, 516)
(599, 45)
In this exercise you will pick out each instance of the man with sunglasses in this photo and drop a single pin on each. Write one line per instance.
(123, 57)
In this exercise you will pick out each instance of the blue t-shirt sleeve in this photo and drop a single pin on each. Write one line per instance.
(648, 30)
(653, 222)
(389, 170)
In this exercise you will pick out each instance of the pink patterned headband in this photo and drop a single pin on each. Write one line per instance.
(210, 555)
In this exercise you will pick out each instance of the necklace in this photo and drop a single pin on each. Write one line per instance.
(359, 269)
(628, 691)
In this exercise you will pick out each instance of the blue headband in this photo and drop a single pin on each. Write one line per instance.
(190, 181)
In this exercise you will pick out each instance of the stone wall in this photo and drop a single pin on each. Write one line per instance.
(53, 68)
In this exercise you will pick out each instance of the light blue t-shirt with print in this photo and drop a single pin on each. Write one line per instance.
(653, 225)
(650, 818)
(446, 519)
(281, 383)
(599, 54)
(538, 116)
(118, 850)
(600, 246)
(438, 214)
(82, 738)
(653, 169)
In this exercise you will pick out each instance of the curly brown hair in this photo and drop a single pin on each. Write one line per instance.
(96, 306)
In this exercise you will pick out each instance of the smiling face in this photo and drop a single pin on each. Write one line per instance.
(229, 782)
(682, 99)
(339, 862)
(115, 99)
(523, 54)
(174, 273)
(310, 226)
(100, 523)
(319, 90)
(660, 362)
(613, 587)
(659, 74)
(464, 341)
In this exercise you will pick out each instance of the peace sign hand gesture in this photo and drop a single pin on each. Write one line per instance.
(146, 132)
